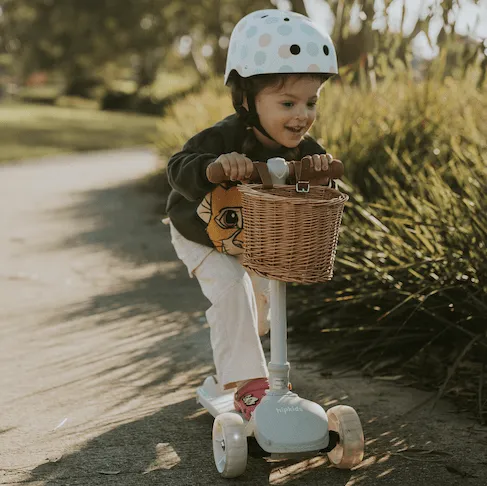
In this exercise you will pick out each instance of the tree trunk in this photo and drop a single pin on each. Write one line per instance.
(146, 70)
(80, 82)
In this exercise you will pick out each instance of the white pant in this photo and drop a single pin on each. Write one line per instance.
(239, 312)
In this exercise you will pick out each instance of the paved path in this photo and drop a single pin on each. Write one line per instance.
(103, 341)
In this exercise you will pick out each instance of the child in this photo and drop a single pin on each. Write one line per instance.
(277, 62)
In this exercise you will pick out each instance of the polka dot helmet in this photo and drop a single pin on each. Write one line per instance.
(276, 41)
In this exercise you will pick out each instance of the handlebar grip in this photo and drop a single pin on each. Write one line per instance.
(335, 171)
(216, 174)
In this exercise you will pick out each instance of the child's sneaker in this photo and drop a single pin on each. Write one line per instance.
(249, 396)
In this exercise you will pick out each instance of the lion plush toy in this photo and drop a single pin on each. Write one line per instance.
(221, 210)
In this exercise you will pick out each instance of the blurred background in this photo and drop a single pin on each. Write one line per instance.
(407, 115)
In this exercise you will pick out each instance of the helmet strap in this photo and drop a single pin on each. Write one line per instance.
(251, 117)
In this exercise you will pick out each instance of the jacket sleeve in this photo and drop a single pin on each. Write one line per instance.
(186, 170)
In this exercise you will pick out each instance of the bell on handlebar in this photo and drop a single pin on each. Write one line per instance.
(278, 170)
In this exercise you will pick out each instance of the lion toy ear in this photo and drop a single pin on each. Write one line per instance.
(204, 209)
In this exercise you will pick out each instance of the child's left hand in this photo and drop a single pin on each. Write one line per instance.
(321, 163)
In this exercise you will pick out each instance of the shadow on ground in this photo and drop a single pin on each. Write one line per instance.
(123, 219)
(156, 322)
(173, 447)
(143, 319)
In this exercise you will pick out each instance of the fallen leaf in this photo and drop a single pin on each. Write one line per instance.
(54, 459)
(388, 378)
(417, 450)
(61, 423)
(109, 472)
(458, 472)
(418, 454)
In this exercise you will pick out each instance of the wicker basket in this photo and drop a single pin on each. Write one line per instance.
(289, 235)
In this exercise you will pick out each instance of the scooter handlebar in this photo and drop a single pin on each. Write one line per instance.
(335, 171)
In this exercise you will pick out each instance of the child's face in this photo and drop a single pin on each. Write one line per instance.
(287, 113)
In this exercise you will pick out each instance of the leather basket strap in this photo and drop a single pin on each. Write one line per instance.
(265, 177)
(302, 172)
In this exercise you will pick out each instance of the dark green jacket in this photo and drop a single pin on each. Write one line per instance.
(187, 171)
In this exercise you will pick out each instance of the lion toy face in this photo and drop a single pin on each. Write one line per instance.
(221, 210)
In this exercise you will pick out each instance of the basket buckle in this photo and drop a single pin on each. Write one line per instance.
(302, 186)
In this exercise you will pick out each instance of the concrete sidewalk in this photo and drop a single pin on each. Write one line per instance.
(103, 341)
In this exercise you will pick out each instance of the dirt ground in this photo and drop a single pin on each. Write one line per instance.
(103, 340)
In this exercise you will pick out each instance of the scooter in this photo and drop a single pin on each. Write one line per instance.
(284, 425)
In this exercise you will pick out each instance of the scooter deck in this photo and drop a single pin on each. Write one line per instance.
(213, 398)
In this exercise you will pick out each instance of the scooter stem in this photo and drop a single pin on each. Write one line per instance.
(279, 365)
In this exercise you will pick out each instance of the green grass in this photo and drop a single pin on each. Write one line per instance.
(29, 130)
(45, 93)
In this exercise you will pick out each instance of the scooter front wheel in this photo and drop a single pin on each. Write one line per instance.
(349, 451)
(229, 445)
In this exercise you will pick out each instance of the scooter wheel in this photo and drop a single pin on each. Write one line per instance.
(350, 450)
(229, 445)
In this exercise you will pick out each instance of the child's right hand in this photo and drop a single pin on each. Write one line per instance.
(237, 167)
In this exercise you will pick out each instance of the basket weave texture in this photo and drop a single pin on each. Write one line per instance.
(291, 236)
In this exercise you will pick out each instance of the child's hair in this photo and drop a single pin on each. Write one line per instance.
(252, 86)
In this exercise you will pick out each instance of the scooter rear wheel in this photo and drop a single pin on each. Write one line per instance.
(230, 445)
(349, 452)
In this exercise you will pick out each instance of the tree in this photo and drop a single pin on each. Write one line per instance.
(80, 36)
(375, 52)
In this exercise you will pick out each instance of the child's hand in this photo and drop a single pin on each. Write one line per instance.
(237, 167)
(321, 163)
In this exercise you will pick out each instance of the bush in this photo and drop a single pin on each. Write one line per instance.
(190, 115)
(410, 286)
(368, 130)
(414, 261)
(150, 100)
